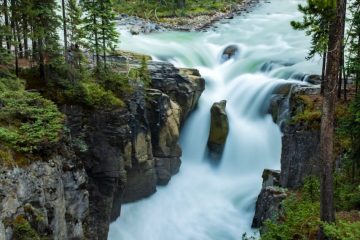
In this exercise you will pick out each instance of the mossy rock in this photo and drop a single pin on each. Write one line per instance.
(219, 129)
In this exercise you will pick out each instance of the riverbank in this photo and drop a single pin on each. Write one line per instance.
(191, 21)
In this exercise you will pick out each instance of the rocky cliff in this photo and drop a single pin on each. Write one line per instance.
(297, 111)
(108, 157)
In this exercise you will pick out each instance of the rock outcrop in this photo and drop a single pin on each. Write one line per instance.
(219, 129)
(111, 156)
(268, 204)
(300, 141)
(50, 197)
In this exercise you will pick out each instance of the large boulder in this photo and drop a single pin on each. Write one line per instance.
(219, 129)
(183, 86)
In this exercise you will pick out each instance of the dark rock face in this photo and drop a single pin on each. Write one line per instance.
(219, 129)
(229, 52)
(268, 204)
(300, 144)
(52, 196)
(299, 156)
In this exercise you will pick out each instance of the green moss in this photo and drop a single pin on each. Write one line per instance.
(23, 230)
(308, 112)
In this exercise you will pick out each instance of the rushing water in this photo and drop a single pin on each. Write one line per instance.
(203, 202)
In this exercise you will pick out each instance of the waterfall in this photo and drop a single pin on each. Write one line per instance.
(204, 202)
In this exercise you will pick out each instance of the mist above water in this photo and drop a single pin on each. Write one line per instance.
(203, 202)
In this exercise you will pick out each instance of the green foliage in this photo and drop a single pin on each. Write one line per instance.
(95, 89)
(99, 26)
(96, 95)
(28, 121)
(11, 84)
(343, 230)
(349, 130)
(301, 215)
(23, 230)
(317, 15)
(74, 22)
(309, 114)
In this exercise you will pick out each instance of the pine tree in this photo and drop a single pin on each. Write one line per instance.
(99, 26)
(74, 23)
(327, 210)
(91, 26)
(353, 58)
(45, 23)
(317, 15)
(108, 33)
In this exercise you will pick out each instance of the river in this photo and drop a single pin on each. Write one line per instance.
(204, 202)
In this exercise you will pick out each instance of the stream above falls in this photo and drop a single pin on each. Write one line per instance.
(203, 202)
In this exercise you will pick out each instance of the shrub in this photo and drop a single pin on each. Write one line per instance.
(28, 121)
(301, 215)
(343, 230)
(23, 230)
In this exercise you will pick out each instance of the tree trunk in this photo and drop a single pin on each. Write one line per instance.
(323, 73)
(64, 28)
(327, 211)
(7, 26)
(14, 34)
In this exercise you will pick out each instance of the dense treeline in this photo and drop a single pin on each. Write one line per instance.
(29, 29)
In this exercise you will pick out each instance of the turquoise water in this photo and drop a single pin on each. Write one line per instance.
(203, 202)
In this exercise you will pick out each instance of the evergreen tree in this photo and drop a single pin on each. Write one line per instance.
(327, 210)
(74, 23)
(317, 15)
(353, 58)
(99, 26)
(45, 24)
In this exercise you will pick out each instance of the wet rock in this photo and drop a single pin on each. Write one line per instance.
(313, 79)
(135, 30)
(273, 64)
(165, 130)
(229, 52)
(183, 86)
(219, 129)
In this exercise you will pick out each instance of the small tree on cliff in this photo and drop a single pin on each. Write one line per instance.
(317, 15)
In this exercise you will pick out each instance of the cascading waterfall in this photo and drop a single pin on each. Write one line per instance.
(204, 202)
